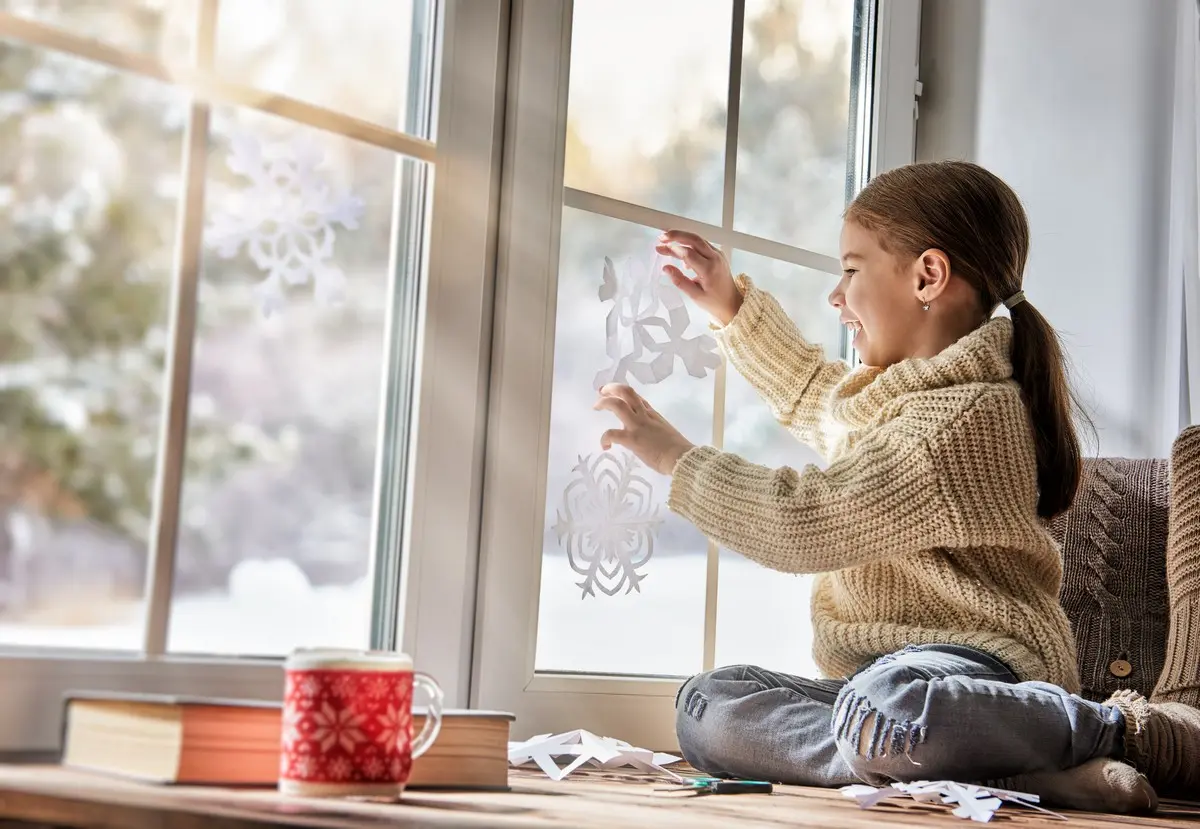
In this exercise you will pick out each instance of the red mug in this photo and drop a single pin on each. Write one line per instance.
(347, 723)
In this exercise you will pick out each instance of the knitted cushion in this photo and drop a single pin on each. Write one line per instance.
(1180, 680)
(1114, 575)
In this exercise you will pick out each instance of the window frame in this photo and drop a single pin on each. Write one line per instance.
(438, 341)
(639, 709)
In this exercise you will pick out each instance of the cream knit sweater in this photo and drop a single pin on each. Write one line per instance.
(923, 528)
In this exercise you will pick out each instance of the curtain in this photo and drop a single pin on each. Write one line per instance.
(1182, 379)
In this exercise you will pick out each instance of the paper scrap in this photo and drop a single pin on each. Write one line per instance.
(969, 802)
(585, 748)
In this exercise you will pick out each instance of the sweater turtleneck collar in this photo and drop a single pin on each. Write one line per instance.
(982, 356)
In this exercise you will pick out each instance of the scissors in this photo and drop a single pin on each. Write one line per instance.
(700, 786)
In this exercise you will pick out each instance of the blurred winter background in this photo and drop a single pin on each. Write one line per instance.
(280, 456)
(276, 509)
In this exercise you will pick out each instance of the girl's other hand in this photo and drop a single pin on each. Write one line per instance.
(644, 431)
(713, 289)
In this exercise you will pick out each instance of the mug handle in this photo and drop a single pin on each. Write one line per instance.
(433, 714)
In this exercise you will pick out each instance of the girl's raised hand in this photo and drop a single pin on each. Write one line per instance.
(713, 289)
(644, 432)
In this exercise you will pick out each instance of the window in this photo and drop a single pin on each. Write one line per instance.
(751, 123)
(221, 281)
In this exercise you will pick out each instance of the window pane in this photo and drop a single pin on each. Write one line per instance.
(286, 46)
(163, 28)
(89, 183)
(275, 537)
(793, 136)
(593, 514)
(752, 598)
(646, 115)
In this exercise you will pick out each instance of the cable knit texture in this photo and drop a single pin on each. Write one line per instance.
(924, 526)
(1180, 679)
(1114, 590)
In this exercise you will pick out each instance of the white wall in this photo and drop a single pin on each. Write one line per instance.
(1069, 101)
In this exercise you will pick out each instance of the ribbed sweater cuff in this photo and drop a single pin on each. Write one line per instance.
(1180, 678)
(748, 316)
(686, 497)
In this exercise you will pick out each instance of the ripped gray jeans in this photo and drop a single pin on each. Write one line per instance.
(929, 712)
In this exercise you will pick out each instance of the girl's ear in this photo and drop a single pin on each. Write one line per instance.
(932, 274)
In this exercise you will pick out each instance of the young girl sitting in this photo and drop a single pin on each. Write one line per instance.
(935, 610)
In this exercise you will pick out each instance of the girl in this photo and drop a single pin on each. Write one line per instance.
(936, 604)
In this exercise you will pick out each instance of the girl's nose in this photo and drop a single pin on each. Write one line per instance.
(838, 297)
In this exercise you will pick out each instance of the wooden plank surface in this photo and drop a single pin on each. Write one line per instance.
(58, 797)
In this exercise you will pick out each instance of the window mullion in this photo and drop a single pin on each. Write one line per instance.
(160, 569)
(733, 105)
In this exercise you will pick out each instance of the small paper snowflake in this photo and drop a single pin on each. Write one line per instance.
(639, 298)
(285, 217)
(608, 524)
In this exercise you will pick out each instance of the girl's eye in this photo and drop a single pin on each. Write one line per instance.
(849, 273)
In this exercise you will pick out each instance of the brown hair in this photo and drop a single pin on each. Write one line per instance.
(977, 220)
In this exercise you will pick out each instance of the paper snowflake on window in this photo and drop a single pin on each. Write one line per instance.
(608, 523)
(640, 342)
(285, 217)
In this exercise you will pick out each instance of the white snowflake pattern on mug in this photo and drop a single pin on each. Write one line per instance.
(340, 769)
(337, 727)
(293, 726)
(378, 687)
(345, 686)
(306, 767)
(390, 723)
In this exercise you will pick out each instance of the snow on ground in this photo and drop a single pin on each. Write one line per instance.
(269, 608)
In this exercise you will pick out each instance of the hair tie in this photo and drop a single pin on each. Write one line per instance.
(1014, 300)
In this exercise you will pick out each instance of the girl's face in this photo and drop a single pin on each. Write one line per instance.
(879, 299)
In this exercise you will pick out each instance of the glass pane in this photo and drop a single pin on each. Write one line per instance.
(163, 28)
(275, 538)
(87, 223)
(751, 598)
(600, 524)
(285, 46)
(794, 133)
(646, 114)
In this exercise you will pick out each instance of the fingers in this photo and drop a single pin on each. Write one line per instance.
(684, 283)
(625, 393)
(691, 240)
(617, 436)
(621, 407)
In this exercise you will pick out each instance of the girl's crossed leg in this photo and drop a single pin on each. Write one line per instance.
(929, 712)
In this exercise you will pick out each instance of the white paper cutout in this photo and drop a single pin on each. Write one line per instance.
(585, 748)
(639, 300)
(977, 803)
(286, 218)
(608, 523)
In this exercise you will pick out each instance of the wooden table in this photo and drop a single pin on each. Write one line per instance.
(50, 796)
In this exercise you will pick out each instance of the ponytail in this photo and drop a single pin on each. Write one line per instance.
(1040, 370)
(978, 222)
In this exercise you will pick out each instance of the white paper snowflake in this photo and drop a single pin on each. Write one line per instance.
(608, 523)
(285, 217)
(639, 340)
(969, 802)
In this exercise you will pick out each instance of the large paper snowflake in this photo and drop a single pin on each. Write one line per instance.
(285, 217)
(640, 342)
(608, 523)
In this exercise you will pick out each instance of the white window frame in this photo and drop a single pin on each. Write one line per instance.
(428, 492)
(639, 709)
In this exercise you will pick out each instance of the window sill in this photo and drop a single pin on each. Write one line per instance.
(32, 686)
